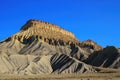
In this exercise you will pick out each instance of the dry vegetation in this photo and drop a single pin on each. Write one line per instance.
(86, 76)
(104, 74)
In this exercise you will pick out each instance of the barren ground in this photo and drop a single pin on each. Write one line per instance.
(86, 76)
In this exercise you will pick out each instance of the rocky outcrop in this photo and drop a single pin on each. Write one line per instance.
(46, 26)
(91, 44)
(49, 33)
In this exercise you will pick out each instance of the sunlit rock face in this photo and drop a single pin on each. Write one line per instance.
(50, 33)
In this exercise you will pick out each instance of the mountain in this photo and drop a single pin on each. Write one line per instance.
(44, 48)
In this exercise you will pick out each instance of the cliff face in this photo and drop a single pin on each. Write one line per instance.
(46, 26)
(49, 33)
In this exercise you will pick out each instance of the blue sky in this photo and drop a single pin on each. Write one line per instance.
(98, 20)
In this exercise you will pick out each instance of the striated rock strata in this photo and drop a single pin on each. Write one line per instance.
(44, 48)
(49, 33)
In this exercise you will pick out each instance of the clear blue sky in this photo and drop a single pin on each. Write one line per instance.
(98, 20)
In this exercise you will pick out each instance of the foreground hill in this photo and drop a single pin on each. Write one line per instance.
(44, 48)
(108, 57)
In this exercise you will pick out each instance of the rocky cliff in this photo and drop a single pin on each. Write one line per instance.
(49, 33)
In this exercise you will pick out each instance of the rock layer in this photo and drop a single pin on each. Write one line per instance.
(50, 33)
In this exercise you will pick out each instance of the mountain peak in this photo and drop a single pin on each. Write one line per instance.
(46, 30)
(35, 23)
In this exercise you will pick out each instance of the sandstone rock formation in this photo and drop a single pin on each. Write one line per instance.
(44, 48)
(47, 32)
